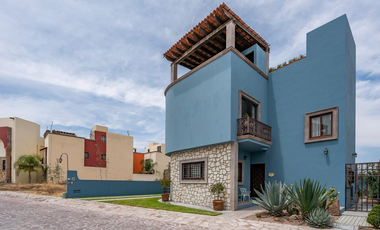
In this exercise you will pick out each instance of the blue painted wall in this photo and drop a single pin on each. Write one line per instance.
(324, 79)
(198, 108)
(260, 57)
(90, 188)
(202, 109)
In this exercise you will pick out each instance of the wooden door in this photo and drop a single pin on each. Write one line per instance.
(257, 178)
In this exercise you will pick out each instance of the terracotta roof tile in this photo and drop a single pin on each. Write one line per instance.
(195, 30)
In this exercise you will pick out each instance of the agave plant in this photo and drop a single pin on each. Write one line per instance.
(273, 198)
(319, 218)
(308, 196)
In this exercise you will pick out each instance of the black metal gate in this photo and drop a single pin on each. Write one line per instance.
(362, 186)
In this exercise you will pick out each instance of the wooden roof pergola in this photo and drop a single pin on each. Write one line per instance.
(209, 37)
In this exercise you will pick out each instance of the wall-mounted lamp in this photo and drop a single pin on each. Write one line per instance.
(355, 155)
(326, 151)
(245, 158)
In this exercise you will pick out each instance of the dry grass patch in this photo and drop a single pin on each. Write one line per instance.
(37, 188)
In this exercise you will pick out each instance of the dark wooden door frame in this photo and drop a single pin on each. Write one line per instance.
(257, 178)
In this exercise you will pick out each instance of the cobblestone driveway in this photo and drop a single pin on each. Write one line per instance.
(45, 214)
(27, 211)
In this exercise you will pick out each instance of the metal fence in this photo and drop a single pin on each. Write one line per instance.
(362, 186)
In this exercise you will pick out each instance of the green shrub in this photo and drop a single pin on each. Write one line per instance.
(292, 209)
(308, 196)
(319, 218)
(273, 198)
(374, 216)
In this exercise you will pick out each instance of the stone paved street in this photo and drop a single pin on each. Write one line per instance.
(47, 214)
(27, 211)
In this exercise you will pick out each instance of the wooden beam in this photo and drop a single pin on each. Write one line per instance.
(196, 36)
(200, 55)
(206, 50)
(191, 61)
(202, 42)
(178, 50)
(244, 28)
(204, 32)
(241, 38)
(169, 58)
(184, 46)
(196, 59)
(191, 41)
(218, 19)
(173, 72)
(210, 25)
(218, 42)
(173, 54)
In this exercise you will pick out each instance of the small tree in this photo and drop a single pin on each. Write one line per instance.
(56, 172)
(27, 163)
(147, 166)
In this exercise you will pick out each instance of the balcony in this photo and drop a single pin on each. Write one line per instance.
(253, 134)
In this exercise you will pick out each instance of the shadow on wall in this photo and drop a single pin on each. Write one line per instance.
(90, 188)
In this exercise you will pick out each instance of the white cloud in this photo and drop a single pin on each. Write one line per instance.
(367, 114)
(109, 54)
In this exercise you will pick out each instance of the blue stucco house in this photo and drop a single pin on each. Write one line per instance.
(230, 120)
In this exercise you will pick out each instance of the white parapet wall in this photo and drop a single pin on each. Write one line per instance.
(145, 177)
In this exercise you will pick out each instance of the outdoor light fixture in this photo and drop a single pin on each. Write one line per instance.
(245, 157)
(355, 155)
(326, 151)
(67, 159)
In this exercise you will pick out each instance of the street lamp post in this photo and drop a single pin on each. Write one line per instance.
(67, 158)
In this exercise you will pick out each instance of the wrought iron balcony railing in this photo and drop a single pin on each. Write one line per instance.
(251, 126)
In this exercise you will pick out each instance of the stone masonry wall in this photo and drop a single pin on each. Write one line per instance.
(219, 170)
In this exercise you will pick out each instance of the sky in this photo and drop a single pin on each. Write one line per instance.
(77, 64)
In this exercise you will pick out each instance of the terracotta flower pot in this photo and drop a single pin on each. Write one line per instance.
(218, 205)
(334, 209)
(165, 196)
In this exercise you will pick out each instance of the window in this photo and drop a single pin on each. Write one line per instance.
(148, 150)
(321, 125)
(86, 155)
(241, 172)
(249, 108)
(249, 105)
(159, 149)
(104, 138)
(193, 171)
(3, 165)
(250, 56)
(103, 156)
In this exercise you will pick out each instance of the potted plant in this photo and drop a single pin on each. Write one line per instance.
(164, 183)
(216, 189)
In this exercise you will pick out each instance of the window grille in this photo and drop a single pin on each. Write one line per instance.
(104, 138)
(193, 171)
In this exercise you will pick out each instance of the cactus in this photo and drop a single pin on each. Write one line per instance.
(273, 198)
(319, 218)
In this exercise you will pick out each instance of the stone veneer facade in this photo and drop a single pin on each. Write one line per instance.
(218, 170)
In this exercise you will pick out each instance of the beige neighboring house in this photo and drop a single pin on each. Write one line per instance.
(156, 152)
(104, 156)
(18, 137)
